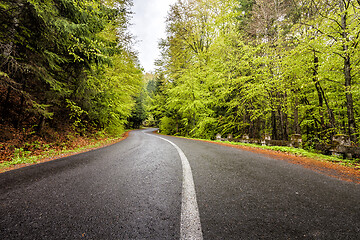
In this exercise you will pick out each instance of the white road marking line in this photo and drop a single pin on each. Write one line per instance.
(190, 226)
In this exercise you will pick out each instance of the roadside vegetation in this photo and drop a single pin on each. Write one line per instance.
(242, 67)
(68, 76)
(308, 153)
(39, 150)
(260, 68)
(355, 163)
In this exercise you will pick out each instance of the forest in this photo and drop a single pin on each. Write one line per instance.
(256, 67)
(259, 67)
(67, 69)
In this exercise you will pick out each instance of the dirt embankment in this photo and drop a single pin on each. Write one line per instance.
(35, 147)
(325, 167)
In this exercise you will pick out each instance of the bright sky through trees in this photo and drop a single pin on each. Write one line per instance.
(149, 27)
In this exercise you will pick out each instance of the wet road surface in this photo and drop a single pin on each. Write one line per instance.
(135, 190)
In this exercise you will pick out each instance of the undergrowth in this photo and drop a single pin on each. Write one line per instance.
(355, 162)
(44, 151)
(304, 153)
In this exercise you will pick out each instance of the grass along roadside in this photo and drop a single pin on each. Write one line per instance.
(47, 152)
(353, 163)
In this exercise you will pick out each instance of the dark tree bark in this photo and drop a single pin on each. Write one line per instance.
(322, 98)
(284, 124)
(274, 134)
(347, 73)
(317, 86)
(5, 104)
(40, 125)
(296, 126)
(349, 101)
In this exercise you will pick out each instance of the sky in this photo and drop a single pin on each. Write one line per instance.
(148, 26)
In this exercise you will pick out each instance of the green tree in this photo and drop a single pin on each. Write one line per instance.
(260, 67)
(62, 51)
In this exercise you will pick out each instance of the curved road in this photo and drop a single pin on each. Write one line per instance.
(139, 188)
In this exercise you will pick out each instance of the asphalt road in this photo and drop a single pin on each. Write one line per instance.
(134, 190)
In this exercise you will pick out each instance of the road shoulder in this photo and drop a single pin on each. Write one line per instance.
(334, 170)
(48, 159)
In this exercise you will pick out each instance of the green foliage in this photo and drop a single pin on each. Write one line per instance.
(259, 69)
(167, 125)
(155, 104)
(304, 153)
(113, 92)
(76, 114)
(138, 115)
(206, 128)
(20, 157)
(67, 61)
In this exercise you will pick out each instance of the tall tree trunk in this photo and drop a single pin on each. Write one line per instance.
(317, 86)
(257, 127)
(347, 76)
(6, 102)
(40, 124)
(349, 101)
(296, 126)
(20, 115)
(274, 135)
(322, 98)
(284, 124)
(250, 124)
